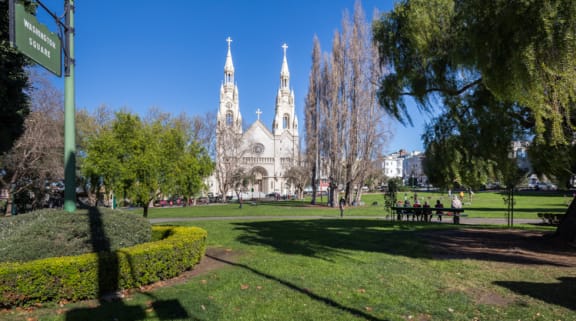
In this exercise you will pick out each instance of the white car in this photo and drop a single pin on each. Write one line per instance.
(546, 186)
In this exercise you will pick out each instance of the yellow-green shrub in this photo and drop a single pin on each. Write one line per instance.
(90, 275)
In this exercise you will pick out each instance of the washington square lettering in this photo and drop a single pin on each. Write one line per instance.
(39, 34)
(34, 44)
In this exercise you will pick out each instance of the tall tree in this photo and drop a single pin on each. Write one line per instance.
(351, 123)
(14, 102)
(312, 118)
(523, 53)
(36, 157)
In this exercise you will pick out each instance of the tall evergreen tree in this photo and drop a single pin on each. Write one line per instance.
(14, 103)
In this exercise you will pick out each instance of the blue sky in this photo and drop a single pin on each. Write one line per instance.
(170, 55)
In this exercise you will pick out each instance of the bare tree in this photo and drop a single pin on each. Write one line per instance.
(230, 149)
(299, 176)
(37, 156)
(312, 119)
(352, 128)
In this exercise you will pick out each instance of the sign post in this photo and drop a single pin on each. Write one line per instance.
(34, 40)
(69, 113)
(37, 42)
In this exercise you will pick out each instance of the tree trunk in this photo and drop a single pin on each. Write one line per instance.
(314, 186)
(9, 204)
(145, 210)
(566, 230)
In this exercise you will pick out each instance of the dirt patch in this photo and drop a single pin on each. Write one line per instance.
(214, 259)
(500, 245)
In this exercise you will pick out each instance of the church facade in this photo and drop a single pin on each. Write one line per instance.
(263, 154)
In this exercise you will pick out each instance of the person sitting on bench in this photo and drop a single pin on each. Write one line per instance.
(439, 212)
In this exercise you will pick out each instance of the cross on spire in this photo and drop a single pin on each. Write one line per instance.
(284, 46)
(228, 40)
(258, 112)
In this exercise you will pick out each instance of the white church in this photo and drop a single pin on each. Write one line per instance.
(268, 153)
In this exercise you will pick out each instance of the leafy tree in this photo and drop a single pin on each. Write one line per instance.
(522, 52)
(142, 160)
(88, 125)
(518, 55)
(14, 102)
(471, 142)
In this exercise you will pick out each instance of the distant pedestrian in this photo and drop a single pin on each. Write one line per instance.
(342, 204)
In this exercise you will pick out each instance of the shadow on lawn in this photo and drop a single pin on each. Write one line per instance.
(111, 306)
(561, 294)
(292, 286)
(327, 238)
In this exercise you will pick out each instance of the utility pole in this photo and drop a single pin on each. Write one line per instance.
(69, 112)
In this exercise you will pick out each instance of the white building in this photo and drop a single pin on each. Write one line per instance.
(413, 168)
(268, 152)
(392, 165)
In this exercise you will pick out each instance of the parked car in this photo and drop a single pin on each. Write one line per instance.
(546, 186)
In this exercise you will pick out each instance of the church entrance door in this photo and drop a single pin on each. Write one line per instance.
(258, 179)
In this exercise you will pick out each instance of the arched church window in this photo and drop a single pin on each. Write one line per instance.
(285, 121)
(229, 119)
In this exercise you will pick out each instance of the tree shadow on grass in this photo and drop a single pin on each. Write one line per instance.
(294, 287)
(325, 239)
(561, 294)
(111, 306)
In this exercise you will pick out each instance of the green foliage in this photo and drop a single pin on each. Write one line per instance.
(53, 233)
(500, 70)
(522, 51)
(143, 159)
(88, 275)
(14, 102)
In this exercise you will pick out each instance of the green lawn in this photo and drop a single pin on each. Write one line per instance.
(332, 269)
(483, 204)
(339, 270)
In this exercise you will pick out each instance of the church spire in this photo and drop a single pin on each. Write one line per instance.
(229, 66)
(284, 73)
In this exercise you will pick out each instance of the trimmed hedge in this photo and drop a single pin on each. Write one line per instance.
(57, 233)
(91, 275)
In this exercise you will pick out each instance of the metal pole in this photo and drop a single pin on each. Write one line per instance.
(69, 113)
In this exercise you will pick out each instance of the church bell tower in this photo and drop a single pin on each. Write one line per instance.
(229, 111)
(285, 118)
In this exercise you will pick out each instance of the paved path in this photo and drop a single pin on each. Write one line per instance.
(463, 220)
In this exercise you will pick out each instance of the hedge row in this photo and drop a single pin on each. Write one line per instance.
(91, 275)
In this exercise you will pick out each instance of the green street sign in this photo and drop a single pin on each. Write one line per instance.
(37, 42)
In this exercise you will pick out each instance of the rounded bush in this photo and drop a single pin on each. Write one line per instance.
(55, 233)
(91, 275)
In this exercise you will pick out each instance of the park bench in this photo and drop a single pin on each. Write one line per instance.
(419, 213)
(550, 218)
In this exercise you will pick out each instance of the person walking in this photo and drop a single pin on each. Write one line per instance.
(342, 204)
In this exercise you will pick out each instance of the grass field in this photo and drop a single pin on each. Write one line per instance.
(484, 204)
(332, 269)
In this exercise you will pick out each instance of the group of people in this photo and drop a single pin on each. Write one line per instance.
(424, 212)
